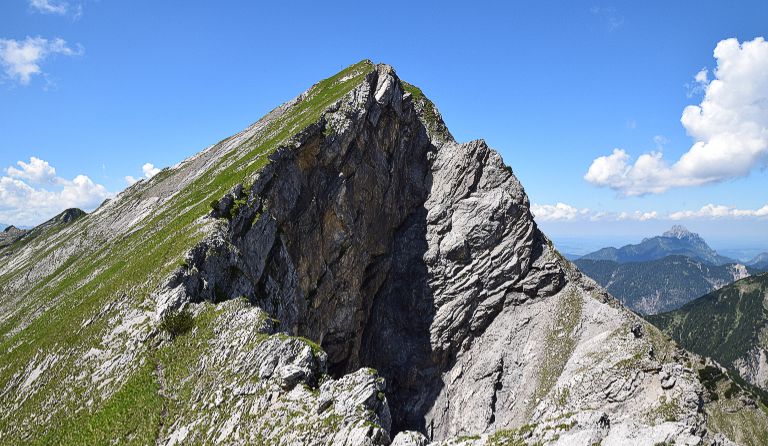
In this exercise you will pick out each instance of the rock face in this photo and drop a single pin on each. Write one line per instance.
(341, 272)
(10, 234)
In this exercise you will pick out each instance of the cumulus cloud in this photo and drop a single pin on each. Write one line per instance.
(21, 59)
(712, 211)
(699, 85)
(33, 193)
(566, 212)
(559, 211)
(36, 171)
(729, 129)
(638, 215)
(149, 171)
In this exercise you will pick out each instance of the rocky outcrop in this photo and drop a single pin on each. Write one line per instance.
(10, 235)
(403, 289)
(342, 272)
(753, 366)
(448, 289)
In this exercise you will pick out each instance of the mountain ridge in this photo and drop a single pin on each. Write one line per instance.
(676, 241)
(246, 295)
(660, 285)
(11, 234)
(759, 261)
(729, 324)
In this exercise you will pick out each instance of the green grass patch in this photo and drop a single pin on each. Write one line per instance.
(69, 310)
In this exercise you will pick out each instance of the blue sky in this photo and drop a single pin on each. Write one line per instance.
(553, 86)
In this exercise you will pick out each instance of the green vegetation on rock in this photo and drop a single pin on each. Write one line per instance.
(71, 309)
(724, 324)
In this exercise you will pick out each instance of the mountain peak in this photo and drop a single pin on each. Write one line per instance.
(679, 232)
(342, 242)
(69, 215)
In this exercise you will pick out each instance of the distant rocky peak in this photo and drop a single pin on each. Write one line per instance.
(69, 215)
(680, 232)
(12, 230)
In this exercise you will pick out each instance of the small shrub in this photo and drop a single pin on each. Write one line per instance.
(732, 390)
(709, 376)
(176, 323)
(239, 202)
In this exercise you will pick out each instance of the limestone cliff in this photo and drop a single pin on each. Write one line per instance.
(341, 272)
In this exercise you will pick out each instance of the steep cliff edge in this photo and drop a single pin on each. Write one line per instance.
(341, 272)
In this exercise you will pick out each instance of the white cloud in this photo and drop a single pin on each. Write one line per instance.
(22, 203)
(49, 6)
(699, 85)
(702, 76)
(21, 59)
(36, 171)
(712, 211)
(638, 215)
(566, 212)
(729, 128)
(149, 171)
(559, 211)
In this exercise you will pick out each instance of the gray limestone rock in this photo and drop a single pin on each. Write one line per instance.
(372, 282)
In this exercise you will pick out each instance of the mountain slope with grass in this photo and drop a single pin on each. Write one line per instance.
(729, 325)
(661, 285)
(341, 272)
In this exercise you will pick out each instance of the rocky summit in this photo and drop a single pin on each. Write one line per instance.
(342, 272)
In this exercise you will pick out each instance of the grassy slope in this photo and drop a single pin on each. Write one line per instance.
(679, 279)
(723, 324)
(128, 270)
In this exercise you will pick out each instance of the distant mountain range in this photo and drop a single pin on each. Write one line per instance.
(3, 226)
(730, 325)
(662, 284)
(665, 272)
(760, 261)
(677, 241)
